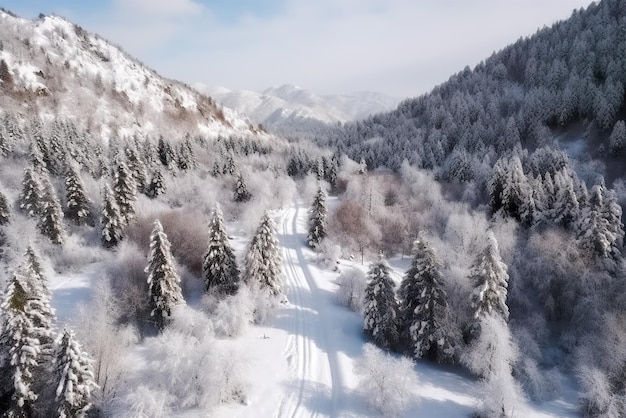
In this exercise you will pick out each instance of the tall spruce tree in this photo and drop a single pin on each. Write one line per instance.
(600, 230)
(37, 287)
(163, 280)
(74, 378)
(20, 349)
(317, 219)
(219, 268)
(490, 278)
(137, 168)
(5, 212)
(78, 204)
(156, 186)
(263, 259)
(125, 191)
(51, 218)
(30, 197)
(424, 308)
(380, 306)
(241, 193)
(112, 221)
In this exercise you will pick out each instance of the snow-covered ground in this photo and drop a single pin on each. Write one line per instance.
(302, 361)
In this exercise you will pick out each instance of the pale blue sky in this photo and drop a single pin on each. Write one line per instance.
(398, 47)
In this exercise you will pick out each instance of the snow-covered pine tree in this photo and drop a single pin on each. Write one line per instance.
(241, 193)
(263, 259)
(490, 278)
(380, 307)
(216, 171)
(617, 139)
(424, 308)
(78, 204)
(156, 186)
(566, 209)
(4, 143)
(219, 268)
(185, 159)
(57, 152)
(515, 192)
(5, 212)
(19, 349)
(125, 191)
(51, 218)
(163, 280)
(74, 378)
(317, 219)
(600, 230)
(137, 168)
(36, 153)
(112, 222)
(166, 153)
(40, 298)
(30, 196)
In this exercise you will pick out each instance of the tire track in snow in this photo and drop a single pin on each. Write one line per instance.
(312, 363)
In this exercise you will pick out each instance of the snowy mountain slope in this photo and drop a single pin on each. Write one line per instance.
(52, 67)
(289, 107)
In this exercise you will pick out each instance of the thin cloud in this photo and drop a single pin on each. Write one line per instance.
(400, 47)
(160, 8)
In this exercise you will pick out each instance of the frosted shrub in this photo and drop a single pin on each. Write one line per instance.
(328, 253)
(185, 370)
(143, 402)
(351, 291)
(597, 395)
(191, 323)
(233, 314)
(386, 383)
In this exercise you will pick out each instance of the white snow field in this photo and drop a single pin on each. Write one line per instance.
(302, 361)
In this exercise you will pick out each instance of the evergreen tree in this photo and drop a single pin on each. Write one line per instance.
(112, 222)
(263, 259)
(5, 212)
(490, 278)
(600, 230)
(41, 297)
(163, 280)
(617, 139)
(185, 158)
(20, 349)
(219, 268)
(137, 168)
(51, 221)
(156, 186)
(241, 193)
(566, 208)
(317, 219)
(74, 378)
(380, 307)
(424, 308)
(165, 153)
(57, 153)
(78, 204)
(125, 191)
(30, 197)
(4, 143)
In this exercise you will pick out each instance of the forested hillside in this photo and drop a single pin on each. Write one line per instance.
(563, 85)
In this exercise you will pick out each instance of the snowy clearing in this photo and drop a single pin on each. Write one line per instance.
(302, 364)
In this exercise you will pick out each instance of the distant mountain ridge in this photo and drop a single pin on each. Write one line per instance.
(292, 108)
(52, 68)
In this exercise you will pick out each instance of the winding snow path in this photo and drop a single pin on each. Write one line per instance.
(310, 354)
